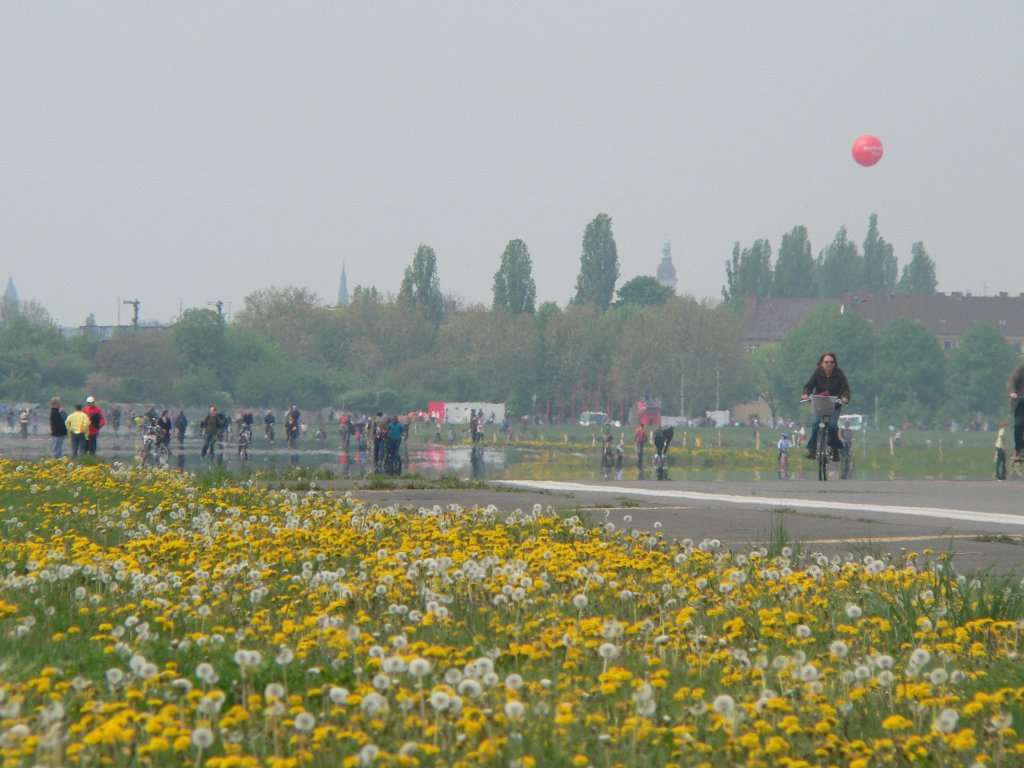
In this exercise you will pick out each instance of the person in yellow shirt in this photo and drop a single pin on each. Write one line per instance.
(78, 424)
(1001, 451)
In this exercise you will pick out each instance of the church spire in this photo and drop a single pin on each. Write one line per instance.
(11, 294)
(343, 288)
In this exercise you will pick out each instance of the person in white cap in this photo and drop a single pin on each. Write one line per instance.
(96, 423)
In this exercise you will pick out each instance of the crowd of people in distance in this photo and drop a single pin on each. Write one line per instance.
(378, 440)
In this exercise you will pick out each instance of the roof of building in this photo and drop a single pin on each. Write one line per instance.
(769, 320)
(944, 314)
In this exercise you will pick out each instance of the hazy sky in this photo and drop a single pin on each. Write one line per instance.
(184, 152)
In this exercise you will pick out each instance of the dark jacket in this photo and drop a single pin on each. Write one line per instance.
(1015, 384)
(820, 384)
(57, 426)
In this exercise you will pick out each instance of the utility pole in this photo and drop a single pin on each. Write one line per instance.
(219, 305)
(682, 391)
(135, 313)
(718, 381)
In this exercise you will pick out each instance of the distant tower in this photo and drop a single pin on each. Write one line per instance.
(343, 289)
(11, 294)
(666, 270)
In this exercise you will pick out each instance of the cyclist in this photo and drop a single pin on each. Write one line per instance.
(784, 444)
(166, 425)
(1015, 388)
(827, 379)
(268, 424)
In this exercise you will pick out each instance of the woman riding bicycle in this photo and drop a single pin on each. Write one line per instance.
(828, 379)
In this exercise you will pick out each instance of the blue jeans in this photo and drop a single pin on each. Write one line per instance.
(77, 444)
(58, 446)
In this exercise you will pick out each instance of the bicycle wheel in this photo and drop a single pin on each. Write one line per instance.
(163, 455)
(824, 453)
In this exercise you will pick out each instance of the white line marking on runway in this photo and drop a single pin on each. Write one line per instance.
(777, 502)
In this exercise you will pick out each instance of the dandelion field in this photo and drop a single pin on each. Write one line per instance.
(145, 620)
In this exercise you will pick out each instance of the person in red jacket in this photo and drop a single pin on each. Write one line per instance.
(96, 423)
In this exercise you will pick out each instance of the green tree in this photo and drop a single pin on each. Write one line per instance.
(840, 267)
(773, 383)
(201, 335)
(918, 278)
(30, 347)
(421, 287)
(749, 273)
(684, 349)
(514, 289)
(913, 387)
(599, 264)
(578, 370)
(794, 268)
(137, 367)
(296, 320)
(879, 261)
(978, 369)
(643, 291)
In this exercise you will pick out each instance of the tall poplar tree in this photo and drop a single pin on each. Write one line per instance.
(421, 287)
(840, 267)
(918, 278)
(514, 288)
(879, 262)
(749, 273)
(794, 269)
(599, 264)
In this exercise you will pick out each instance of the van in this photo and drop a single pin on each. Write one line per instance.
(593, 418)
(852, 421)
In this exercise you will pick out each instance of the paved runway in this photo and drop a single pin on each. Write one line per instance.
(982, 523)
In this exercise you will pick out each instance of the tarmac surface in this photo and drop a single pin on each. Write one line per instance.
(981, 523)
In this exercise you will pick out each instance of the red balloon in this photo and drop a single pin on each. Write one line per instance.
(867, 150)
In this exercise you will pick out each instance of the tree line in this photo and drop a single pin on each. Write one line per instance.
(839, 268)
(901, 373)
(605, 349)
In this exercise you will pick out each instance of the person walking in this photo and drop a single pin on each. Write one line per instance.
(181, 426)
(210, 428)
(58, 429)
(96, 423)
(78, 427)
(640, 439)
(1001, 451)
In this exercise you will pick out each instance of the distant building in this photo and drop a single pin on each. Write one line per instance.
(343, 289)
(11, 294)
(107, 332)
(948, 316)
(666, 273)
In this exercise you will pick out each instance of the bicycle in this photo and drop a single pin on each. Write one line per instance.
(660, 468)
(153, 451)
(846, 460)
(244, 441)
(823, 407)
(783, 465)
(268, 430)
(607, 461)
